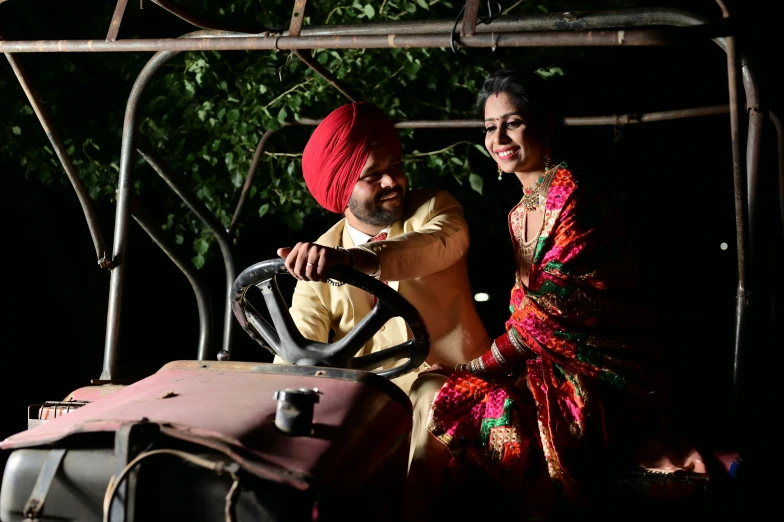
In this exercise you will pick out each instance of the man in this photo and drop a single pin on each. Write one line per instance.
(416, 242)
(351, 166)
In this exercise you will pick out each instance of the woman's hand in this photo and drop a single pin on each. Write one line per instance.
(441, 369)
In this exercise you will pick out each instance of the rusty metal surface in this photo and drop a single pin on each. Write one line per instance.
(297, 17)
(469, 17)
(330, 78)
(122, 213)
(647, 117)
(744, 208)
(114, 26)
(599, 38)
(741, 217)
(754, 136)
(556, 21)
(231, 404)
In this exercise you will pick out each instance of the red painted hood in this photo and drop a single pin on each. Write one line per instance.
(359, 420)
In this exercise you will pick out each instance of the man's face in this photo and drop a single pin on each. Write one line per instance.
(380, 192)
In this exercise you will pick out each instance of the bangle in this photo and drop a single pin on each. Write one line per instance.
(350, 255)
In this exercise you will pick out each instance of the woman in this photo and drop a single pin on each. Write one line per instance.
(570, 376)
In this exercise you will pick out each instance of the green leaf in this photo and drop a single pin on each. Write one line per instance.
(482, 149)
(550, 71)
(201, 246)
(456, 160)
(263, 209)
(423, 4)
(233, 115)
(16, 130)
(198, 261)
(370, 12)
(282, 114)
(477, 183)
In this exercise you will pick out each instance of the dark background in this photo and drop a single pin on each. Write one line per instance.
(673, 181)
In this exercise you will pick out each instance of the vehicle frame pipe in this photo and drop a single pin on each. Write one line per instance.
(156, 233)
(213, 224)
(65, 160)
(774, 119)
(601, 38)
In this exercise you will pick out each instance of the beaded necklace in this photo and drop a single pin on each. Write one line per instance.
(531, 195)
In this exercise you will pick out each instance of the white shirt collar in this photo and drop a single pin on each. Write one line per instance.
(360, 238)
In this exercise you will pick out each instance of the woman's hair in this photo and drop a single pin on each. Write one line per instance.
(531, 97)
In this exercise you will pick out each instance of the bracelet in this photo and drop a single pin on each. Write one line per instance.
(518, 343)
(350, 255)
(497, 354)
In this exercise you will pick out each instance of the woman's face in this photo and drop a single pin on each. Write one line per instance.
(508, 139)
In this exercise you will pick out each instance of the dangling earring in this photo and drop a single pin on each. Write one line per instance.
(546, 157)
(500, 172)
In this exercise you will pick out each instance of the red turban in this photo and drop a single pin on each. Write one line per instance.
(338, 149)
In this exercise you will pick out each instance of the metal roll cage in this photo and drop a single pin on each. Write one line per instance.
(616, 28)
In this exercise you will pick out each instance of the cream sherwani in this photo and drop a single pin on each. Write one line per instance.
(424, 259)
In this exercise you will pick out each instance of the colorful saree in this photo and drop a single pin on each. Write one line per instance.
(539, 394)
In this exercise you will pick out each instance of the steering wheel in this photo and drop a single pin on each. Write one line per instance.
(286, 340)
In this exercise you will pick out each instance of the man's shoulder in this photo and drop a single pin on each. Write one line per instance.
(430, 198)
(333, 236)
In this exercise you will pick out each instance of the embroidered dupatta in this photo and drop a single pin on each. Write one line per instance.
(563, 318)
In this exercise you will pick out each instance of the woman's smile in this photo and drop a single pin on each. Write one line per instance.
(507, 153)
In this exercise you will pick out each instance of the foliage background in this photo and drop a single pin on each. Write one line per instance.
(206, 111)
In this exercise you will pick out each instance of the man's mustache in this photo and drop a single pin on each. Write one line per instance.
(387, 192)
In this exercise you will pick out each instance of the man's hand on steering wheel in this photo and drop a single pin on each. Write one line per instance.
(311, 261)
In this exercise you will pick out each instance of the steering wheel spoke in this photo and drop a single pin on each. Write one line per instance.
(262, 328)
(284, 339)
(375, 360)
(360, 335)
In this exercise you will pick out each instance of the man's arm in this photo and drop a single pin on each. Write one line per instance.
(437, 243)
(309, 314)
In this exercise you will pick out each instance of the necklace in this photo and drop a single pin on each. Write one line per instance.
(532, 196)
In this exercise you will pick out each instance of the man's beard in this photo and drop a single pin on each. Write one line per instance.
(369, 212)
